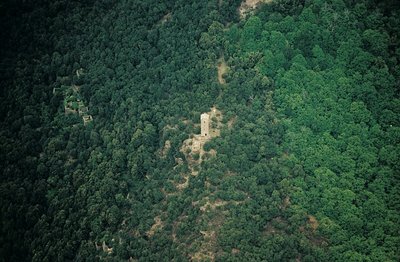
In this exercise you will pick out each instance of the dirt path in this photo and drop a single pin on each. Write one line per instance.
(222, 69)
(158, 224)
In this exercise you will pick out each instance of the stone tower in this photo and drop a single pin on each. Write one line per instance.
(205, 125)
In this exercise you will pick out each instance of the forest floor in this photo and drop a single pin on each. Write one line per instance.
(247, 6)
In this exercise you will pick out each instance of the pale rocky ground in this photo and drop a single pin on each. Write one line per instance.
(248, 6)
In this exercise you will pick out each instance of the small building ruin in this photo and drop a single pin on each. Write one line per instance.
(87, 119)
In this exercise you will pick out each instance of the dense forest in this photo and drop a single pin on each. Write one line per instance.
(100, 101)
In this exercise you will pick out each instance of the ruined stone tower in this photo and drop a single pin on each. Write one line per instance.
(205, 125)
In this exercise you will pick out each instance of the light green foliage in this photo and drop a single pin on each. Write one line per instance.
(328, 96)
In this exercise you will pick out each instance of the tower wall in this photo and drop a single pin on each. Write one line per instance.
(205, 125)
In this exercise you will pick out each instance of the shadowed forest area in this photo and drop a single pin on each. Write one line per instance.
(100, 106)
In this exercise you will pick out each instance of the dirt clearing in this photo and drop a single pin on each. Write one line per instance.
(248, 6)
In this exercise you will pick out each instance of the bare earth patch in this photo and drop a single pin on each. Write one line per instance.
(285, 203)
(166, 18)
(76, 88)
(103, 247)
(106, 249)
(157, 225)
(231, 122)
(184, 184)
(210, 205)
(310, 231)
(313, 223)
(80, 72)
(248, 6)
(235, 251)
